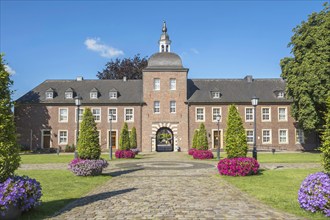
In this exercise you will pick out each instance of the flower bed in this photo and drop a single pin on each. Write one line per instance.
(202, 154)
(124, 154)
(19, 191)
(82, 167)
(191, 151)
(241, 166)
(314, 193)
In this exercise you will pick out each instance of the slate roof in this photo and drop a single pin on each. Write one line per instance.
(129, 92)
(235, 90)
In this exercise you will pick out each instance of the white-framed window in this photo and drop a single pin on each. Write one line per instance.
(265, 114)
(266, 136)
(283, 136)
(172, 84)
(129, 114)
(249, 136)
(156, 107)
(93, 95)
(200, 114)
(300, 137)
(282, 114)
(62, 137)
(63, 115)
(80, 115)
(156, 84)
(172, 107)
(97, 114)
(216, 111)
(216, 95)
(113, 95)
(280, 95)
(113, 112)
(249, 114)
(68, 95)
(49, 95)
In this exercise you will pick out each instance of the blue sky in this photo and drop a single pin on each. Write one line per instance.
(215, 39)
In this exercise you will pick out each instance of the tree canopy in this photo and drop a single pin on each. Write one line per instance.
(124, 141)
(88, 141)
(236, 145)
(307, 73)
(202, 142)
(132, 139)
(129, 67)
(9, 151)
(325, 147)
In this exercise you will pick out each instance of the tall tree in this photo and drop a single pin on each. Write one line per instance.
(307, 73)
(195, 139)
(129, 67)
(124, 143)
(132, 138)
(88, 141)
(202, 143)
(236, 145)
(325, 146)
(9, 151)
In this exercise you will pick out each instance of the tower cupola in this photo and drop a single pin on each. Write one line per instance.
(164, 42)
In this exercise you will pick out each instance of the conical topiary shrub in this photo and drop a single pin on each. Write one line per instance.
(88, 141)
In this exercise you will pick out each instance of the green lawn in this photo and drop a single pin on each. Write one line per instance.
(299, 157)
(61, 158)
(59, 187)
(277, 188)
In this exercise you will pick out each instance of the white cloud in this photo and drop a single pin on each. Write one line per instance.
(9, 70)
(194, 50)
(94, 44)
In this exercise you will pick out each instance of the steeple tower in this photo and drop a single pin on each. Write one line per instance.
(164, 42)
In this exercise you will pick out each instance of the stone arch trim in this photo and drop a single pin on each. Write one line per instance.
(172, 126)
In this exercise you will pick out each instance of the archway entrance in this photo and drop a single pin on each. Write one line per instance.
(164, 140)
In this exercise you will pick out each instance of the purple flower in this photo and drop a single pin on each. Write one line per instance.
(202, 154)
(241, 166)
(191, 151)
(82, 167)
(314, 193)
(125, 154)
(20, 191)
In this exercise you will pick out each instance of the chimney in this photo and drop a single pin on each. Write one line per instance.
(80, 78)
(248, 78)
(124, 78)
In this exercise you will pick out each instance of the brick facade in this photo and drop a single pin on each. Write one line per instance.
(166, 86)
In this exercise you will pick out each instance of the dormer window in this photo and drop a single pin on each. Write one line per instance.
(280, 94)
(50, 93)
(113, 94)
(216, 95)
(93, 93)
(68, 93)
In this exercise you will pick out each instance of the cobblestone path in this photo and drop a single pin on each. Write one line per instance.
(163, 186)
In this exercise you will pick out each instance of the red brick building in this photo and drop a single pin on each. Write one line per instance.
(165, 107)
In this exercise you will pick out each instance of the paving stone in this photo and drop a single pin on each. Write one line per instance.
(166, 186)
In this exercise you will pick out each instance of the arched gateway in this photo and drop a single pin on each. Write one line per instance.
(164, 140)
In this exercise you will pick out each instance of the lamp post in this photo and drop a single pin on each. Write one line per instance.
(218, 117)
(77, 100)
(254, 102)
(110, 136)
